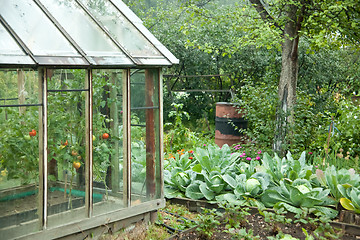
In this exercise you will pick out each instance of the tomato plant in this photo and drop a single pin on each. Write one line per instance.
(19, 151)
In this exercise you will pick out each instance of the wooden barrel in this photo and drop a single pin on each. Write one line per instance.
(227, 124)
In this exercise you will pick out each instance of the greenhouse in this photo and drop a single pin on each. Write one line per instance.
(81, 118)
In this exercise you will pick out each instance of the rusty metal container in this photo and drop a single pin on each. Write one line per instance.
(228, 121)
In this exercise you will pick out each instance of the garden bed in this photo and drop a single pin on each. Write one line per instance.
(247, 224)
(255, 224)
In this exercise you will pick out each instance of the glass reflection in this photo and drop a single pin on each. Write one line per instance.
(66, 146)
(35, 29)
(19, 154)
(82, 28)
(121, 28)
(107, 141)
(144, 137)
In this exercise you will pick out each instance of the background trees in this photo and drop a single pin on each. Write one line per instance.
(246, 43)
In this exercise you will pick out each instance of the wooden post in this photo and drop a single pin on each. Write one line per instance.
(126, 138)
(52, 164)
(21, 89)
(160, 164)
(88, 144)
(42, 211)
(150, 134)
(114, 125)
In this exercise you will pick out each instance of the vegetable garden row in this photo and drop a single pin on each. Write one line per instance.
(238, 177)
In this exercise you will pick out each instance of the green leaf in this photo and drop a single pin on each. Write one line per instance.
(329, 212)
(193, 191)
(229, 180)
(342, 190)
(197, 168)
(302, 160)
(230, 198)
(170, 192)
(271, 196)
(209, 195)
(288, 207)
(215, 182)
(296, 196)
(355, 197)
(321, 177)
(308, 174)
(293, 175)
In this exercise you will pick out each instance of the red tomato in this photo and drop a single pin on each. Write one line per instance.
(105, 136)
(32, 133)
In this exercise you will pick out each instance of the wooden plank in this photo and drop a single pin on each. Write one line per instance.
(114, 125)
(126, 138)
(43, 159)
(150, 134)
(98, 232)
(160, 174)
(88, 145)
(89, 223)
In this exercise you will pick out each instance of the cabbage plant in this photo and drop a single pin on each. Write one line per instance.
(299, 194)
(178, 175)
(287, 167)
(331, 178)
(213, 166)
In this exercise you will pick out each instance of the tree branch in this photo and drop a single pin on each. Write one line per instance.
(264, 14)
(298, 28)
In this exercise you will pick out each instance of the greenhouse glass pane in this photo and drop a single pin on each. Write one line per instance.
(7, 44)
(121, 28)
(35, 29)
(19, 161)
(107, 141)
(18, 87)
(66, 146)
(144, 138)
(82, 28)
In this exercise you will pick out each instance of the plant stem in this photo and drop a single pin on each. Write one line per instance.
(71, 182)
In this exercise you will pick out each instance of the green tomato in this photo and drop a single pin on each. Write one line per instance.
(27, 137)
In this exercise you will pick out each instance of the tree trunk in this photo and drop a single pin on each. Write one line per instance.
(288, 80)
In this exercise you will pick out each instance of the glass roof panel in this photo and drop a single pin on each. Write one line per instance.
(35, 29)
(11, 53)
(121, 28)
(82, 28)
(126, 11)
(7, 44)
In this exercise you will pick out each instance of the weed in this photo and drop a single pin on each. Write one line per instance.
(235, 216)
(208, 221)
(243, 234)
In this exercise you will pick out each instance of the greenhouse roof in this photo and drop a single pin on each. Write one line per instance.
(69, 33)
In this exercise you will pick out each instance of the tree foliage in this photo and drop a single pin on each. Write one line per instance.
(245, 41)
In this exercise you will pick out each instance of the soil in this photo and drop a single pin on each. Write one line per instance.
(263, 230)
(255, 225)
